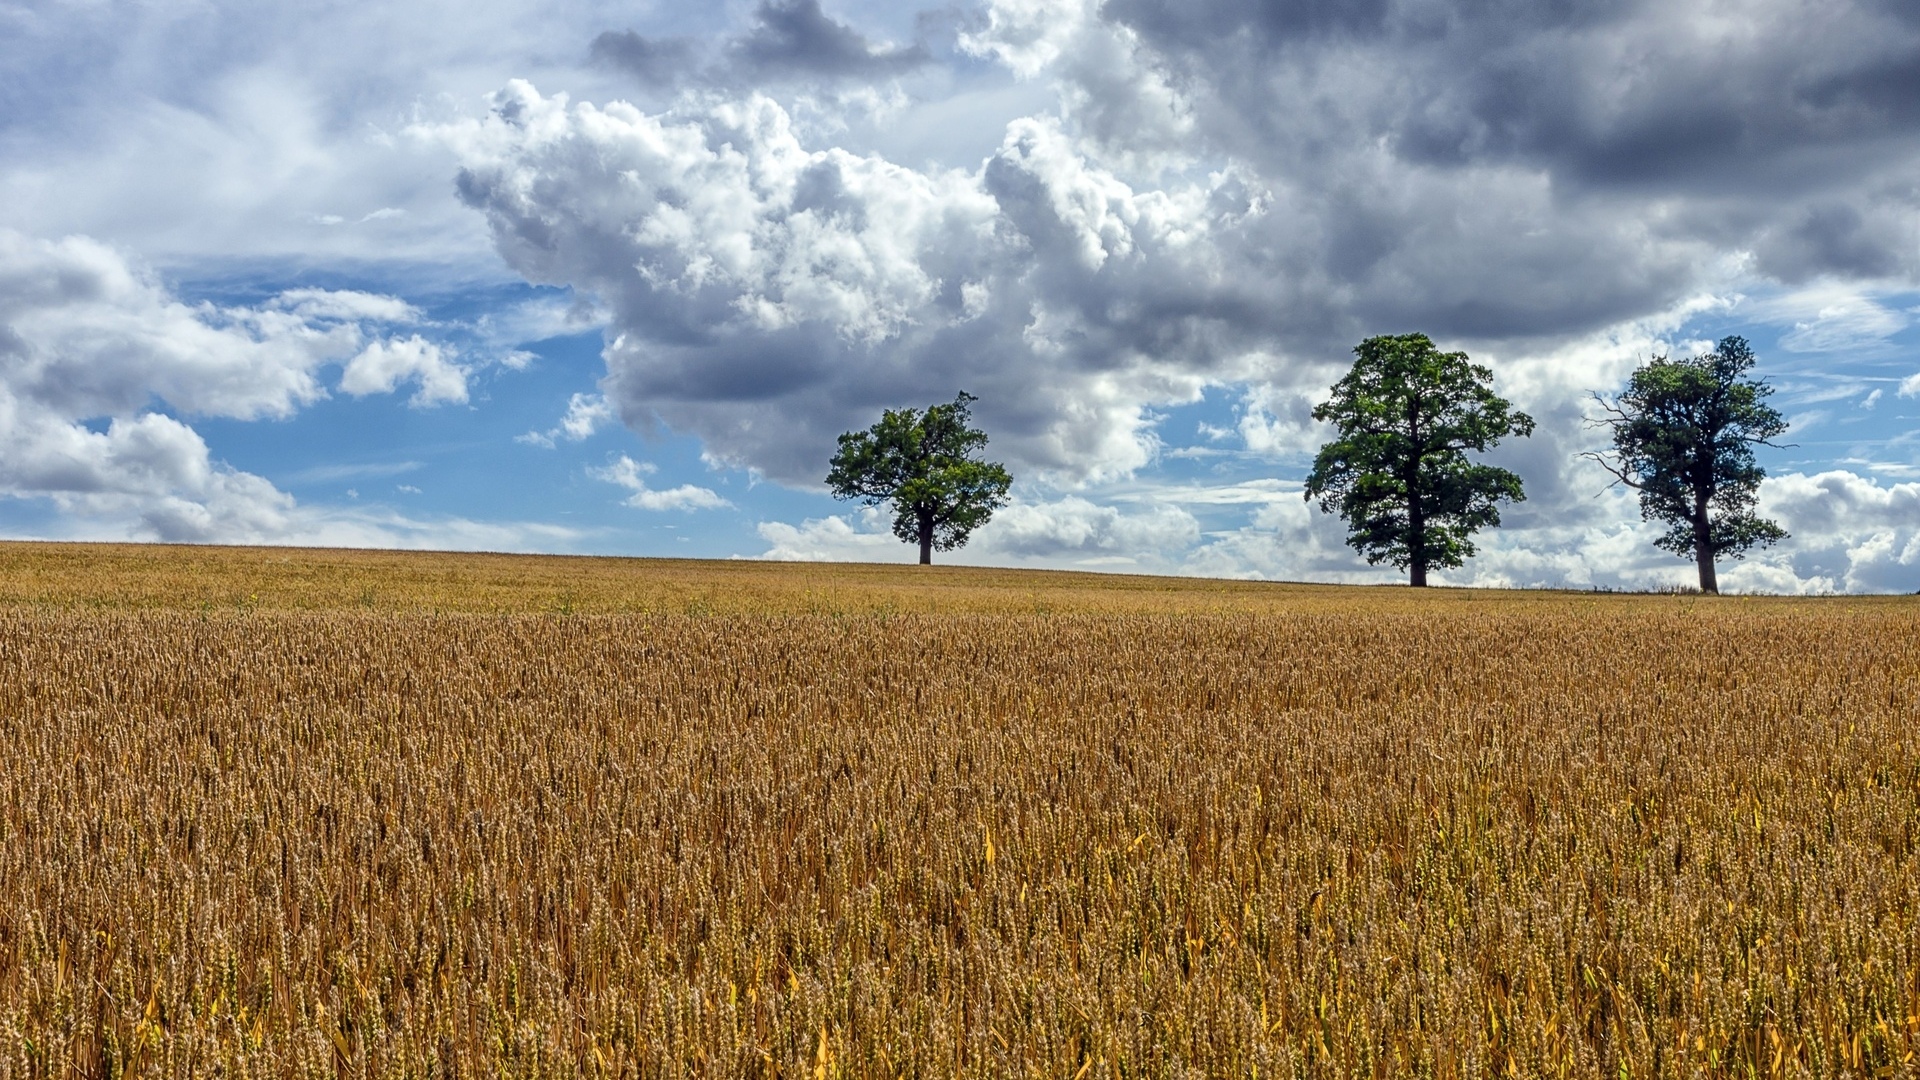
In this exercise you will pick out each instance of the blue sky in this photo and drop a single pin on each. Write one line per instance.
(609, 279)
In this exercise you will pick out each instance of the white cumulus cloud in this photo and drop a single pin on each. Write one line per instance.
(384, 365)
(1069, 531)
(586, 413)
(828, 539)
(632, 475)
(1081, 530)
(102, 368)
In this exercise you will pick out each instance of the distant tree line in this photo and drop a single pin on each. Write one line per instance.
(1407, 418)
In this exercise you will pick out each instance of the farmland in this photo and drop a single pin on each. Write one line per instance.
(270, 813)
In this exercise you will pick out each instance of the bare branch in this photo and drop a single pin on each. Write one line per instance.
(1619, 472)
(1620, 416)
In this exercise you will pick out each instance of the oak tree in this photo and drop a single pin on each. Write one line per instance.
(1683, 437)
(1398, 471)
(925, 463)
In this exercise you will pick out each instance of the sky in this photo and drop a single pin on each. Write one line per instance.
(610, 278)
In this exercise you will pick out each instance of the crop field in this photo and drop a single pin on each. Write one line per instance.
(296, 813)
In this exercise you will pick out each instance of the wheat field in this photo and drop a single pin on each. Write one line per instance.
(341, 814)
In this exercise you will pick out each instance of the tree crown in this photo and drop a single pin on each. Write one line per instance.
(923, 462)
(1407, 415)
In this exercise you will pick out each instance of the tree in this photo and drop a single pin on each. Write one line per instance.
(1683, 436)
(924, 464)
(1407, 416)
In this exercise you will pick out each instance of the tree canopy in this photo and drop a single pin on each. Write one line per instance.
(1407, 415)
(925, 464)
(1683, 436)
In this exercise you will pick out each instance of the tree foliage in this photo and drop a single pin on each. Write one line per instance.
(924, 463)
(1398, 472)
(1683, 436)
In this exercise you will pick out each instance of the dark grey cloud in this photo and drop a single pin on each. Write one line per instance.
(794, 37)
(1266, 26)
(655, 61)
(1601, 93)
(1506, 170)
(1830, 238)
(788, 41)
(822, 189)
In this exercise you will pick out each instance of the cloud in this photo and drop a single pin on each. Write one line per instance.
(794, 37)
(383, 365)
(222, 130)
(1069, 531)
(1278, 421)
(1831, 317)
(654, 61)
(326, 474)
(1029, 36)
(631, 474)
(1688, 95)
(1243, 493)
(766, 296)
(1444, 150)
(88, 334)
(586, 413)
(1832, 238)
(1074, 526)
(1282, 540)
(346, 305)
(787, 41)
(151, 477)
(830, 539)
(93, 349)
(1851, 533)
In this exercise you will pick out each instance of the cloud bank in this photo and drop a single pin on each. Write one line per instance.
(766, 296)
(102, 368)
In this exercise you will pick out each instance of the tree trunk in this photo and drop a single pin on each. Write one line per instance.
(1416, 533)
(1703, 546)
(926, 539)
(1703, 558)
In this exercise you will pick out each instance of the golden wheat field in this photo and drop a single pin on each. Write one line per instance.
(296, 813)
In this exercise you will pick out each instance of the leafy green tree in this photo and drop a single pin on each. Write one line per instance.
(1398, 472)
(1683, 436)
(925, 464)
